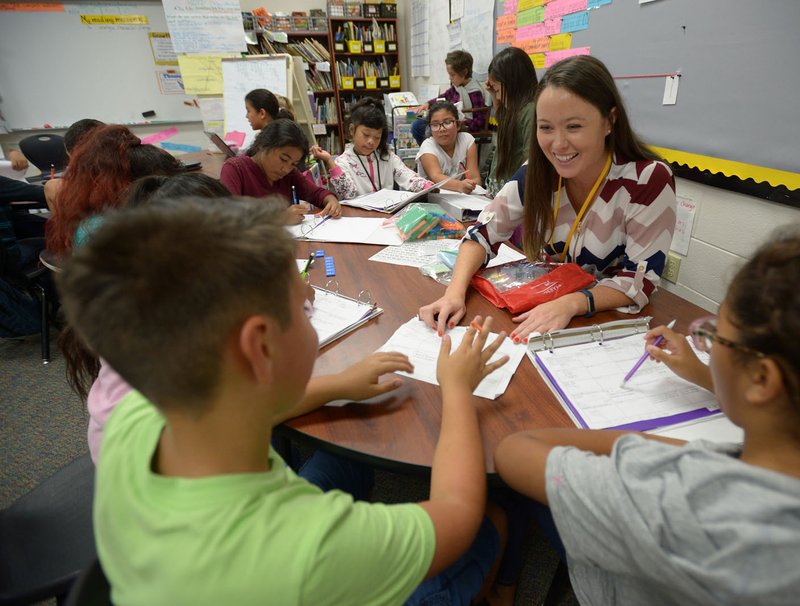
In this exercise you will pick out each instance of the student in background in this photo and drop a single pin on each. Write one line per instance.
(512, 85)
(100, 170)
(367, 164)
(74, 135)
(448, 151)
(587, 167)
(286, 108)
(645, 519)
(463, 88)
(270, 168)
(263, 107)
(186, 465)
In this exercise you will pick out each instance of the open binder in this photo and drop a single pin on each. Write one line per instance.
(392, 200)
(585, 366)
(336, 315)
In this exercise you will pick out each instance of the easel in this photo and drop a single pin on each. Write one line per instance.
(282, 74)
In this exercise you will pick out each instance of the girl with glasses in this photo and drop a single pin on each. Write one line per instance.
(651, 520)
(448, 151)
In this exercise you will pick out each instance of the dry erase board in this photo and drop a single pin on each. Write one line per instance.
(739, 87)
(56, 68)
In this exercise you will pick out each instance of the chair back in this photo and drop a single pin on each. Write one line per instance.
(47, 536)
(91, 588)
(44, 151)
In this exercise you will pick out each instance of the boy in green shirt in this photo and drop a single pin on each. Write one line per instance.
(192, 505)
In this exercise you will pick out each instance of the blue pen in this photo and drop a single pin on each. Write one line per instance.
(294, 195)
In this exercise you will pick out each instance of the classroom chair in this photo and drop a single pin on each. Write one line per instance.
(482, 137)
(48, 537)
(91, 588)
(45, 152)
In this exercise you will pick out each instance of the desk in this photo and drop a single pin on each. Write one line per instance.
(401, 434)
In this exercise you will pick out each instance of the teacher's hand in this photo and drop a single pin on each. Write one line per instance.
(543, 318)
(443, 313)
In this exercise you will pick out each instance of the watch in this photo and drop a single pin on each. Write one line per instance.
(589, 301)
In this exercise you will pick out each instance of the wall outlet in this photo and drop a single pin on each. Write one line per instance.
(672, 267)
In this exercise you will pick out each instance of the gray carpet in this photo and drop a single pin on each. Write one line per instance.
(43, 427)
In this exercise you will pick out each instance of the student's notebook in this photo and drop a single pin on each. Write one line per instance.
(391, 200)
(335, 315)
(587, 379)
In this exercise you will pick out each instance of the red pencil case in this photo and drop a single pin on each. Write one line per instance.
(559, 282)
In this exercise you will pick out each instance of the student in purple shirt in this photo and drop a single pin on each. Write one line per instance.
(270, 167)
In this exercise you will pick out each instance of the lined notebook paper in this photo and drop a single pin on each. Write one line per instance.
(586, 378)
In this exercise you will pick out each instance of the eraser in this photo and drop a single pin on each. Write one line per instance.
(148, 114)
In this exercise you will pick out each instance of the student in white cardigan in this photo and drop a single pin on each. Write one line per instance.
(448, 151)
(367, 165)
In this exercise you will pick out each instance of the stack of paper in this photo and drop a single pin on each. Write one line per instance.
(422, 253)
(421, 344)
(587, 379)
(356, 230)
(336, 315)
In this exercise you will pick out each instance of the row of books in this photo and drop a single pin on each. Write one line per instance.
(309, 50)
(325, 111)
(317, 80)
(329, 143)
(365, 33)
(360, 68)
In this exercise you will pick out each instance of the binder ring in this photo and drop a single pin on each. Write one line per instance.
(333, 286)
(599, 330)
(548, 336)
(305, 229)
(365, 296)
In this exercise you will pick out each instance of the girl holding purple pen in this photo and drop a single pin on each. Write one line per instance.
(645, 519)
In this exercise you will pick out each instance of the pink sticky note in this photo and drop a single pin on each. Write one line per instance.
(555, 56)
(158, 137)
(236, 137)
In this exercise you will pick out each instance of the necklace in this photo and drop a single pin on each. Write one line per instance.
(586, 204)
(369, 172)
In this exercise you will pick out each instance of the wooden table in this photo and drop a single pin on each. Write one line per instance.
(401, 434)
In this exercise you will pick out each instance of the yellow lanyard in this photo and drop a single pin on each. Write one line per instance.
(586, 204)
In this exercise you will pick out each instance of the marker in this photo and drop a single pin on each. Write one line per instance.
(294, 195)
(304, 273)
(659, 340)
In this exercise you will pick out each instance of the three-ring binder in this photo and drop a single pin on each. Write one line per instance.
(586, 334)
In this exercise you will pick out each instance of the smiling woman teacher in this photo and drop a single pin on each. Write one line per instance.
(593, 194)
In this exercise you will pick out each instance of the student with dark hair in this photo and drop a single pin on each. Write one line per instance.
(464, 89)
(78, 131)
(100, 171)
(367, 165)
(448, 151)
(263, 107)
(512, 85)
(186, 465)
(644, 519)
(270, 168)
(592, 193)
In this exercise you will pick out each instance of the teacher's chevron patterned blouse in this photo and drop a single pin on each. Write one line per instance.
(625, 235)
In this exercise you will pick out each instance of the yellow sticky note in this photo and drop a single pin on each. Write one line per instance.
(202, 74)
(538, 60)
(560, 42)
(524, 5)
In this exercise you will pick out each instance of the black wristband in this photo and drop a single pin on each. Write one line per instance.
(589, 301)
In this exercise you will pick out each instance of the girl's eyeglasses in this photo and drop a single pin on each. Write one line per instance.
(704, 335)
(437, 126)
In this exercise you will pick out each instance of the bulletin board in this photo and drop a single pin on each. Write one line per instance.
(738, 88)
(63, 61)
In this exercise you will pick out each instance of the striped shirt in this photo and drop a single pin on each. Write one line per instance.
(625, 235)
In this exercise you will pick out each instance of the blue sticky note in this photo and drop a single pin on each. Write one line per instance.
(575, 22)
(598, 3)
(180, 147)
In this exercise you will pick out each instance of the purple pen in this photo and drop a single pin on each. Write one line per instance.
(659, 340)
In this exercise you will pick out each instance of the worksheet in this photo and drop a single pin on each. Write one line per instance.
(421, 344)
(356, 230)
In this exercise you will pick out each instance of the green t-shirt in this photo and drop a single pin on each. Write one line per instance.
(258, 538)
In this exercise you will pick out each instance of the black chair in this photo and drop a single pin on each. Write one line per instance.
(45, 152)
(47, 536)
(91, 588)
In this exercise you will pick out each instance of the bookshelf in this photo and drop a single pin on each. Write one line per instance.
(364, 61)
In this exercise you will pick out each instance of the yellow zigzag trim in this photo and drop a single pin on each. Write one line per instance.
(729, 168)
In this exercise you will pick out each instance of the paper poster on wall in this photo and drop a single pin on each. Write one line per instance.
(205, 26)
(475, 35)
(202, 74)
(170, 82)
(686, 211)
(161, 45)
(212, 109)
(32, 7)
(456, 9)
(454, 35)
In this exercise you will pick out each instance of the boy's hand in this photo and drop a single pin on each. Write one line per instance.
(295, 213)
(332, 208)
(469, 364)
(18, 161)
(361, 381)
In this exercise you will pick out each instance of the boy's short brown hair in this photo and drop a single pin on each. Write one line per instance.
(460, 61)
(159, 289)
